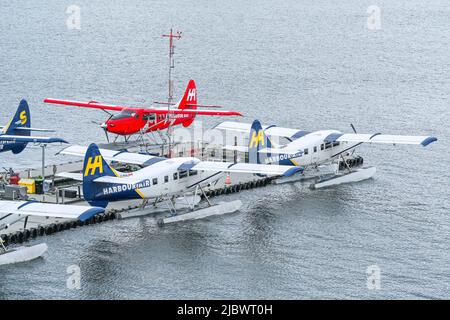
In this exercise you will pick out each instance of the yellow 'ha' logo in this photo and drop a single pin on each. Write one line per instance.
(257, 138)
(23, 117)
(93, 165)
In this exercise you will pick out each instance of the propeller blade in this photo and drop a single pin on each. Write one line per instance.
(354, 130)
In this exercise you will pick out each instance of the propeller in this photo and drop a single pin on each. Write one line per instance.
(106, 134)
(104, 126)
(354, 130)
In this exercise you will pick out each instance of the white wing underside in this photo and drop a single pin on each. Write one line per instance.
(47, 209)
(349, 137)
(386, 138)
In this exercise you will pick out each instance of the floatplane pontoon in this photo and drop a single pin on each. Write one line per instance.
(12, 212)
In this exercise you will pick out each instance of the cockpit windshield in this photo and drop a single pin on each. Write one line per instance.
(124, 114)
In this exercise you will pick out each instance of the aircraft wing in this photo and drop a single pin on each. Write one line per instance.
(14, 139)
(114, 155)
(71, 175)
(243, 168)
(90, 104)
(270, 130)
(49, 210)
(202, 112)
(96, 105)
(358, 139)
(381, 138)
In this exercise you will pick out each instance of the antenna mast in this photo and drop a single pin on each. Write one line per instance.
(171, 37)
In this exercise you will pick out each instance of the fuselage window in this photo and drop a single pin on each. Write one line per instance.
(166, 179)
(175, 176)
(149, 117)
(183, 174)
(306, 151)
(315, 149)
(192, 172)
(155, 181)
(321, 146)
(328, 145)
(123, 115)
(336, 143)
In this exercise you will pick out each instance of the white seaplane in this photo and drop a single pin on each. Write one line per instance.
(167, 180)
(12, 212)
(324, 154)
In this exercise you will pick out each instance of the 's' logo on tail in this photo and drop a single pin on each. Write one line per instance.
(93, 165)
(257, 138)
(23, 117)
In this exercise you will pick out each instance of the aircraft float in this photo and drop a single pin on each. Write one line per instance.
(138, 120)
(16, 135)
(314, 151)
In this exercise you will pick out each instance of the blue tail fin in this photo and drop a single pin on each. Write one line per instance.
(94, 167)
(21, 119)
(257, 140)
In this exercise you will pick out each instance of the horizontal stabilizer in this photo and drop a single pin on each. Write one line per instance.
(70, 175)
(236, 148)
(103, 179)
(30, 139)
(24, 129)
(280, 151)
(117, 180)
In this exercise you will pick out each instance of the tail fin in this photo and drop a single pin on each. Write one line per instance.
(189, 100)
(257, 141)
(94, 167)
(22, 119)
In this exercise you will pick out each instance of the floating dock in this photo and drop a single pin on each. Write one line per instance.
(39, 226)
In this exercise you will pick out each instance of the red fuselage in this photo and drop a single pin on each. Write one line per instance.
(129, 122)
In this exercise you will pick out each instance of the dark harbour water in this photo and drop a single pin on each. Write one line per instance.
(308, 65)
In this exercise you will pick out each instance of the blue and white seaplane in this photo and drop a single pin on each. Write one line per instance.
(166, 180)
(325, 155)
(16, 135)
(12, 212)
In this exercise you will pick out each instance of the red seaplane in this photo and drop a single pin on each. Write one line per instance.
(132, 120)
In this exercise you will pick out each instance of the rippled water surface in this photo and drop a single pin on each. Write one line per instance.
(302, 64)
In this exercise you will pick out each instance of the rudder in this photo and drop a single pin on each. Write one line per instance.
(257, 141)
(94, 167)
